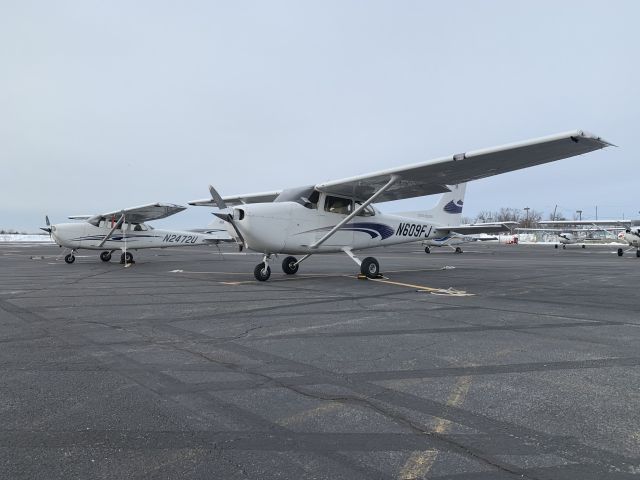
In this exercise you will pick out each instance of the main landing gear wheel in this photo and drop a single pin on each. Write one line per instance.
(458, 250)
(261, 273)
(105, 256)
(556, 245)
(290, 265)
(620, 252)
(427, 250)
(638, 253)
(564, 247)
(70, 258)
(370, 267)
(126, 258)
(584, 246)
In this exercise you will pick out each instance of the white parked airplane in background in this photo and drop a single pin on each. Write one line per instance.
(337, 216)
(125, 230)
(448, 213)
(626, 232)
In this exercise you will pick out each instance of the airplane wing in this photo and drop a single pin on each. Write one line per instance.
(476, 228)
(586, 222)
(432, 177)
(263, 197)
(140, 214)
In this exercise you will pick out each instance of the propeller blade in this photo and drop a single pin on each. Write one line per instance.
(217, 198)
(48, 227)
(227, 217)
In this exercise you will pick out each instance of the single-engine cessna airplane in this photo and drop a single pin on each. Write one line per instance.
(565, 237)
(125, 230)
(448, 212)
(632, 236)
(627, 232)
(337, 216)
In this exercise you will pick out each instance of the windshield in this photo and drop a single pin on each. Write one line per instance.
(305, 196)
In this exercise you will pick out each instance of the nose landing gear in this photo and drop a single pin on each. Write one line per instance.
(262, 272)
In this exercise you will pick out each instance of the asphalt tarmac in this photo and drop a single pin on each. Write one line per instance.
(504, 362)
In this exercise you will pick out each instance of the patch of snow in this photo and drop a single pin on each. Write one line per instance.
(18, 237)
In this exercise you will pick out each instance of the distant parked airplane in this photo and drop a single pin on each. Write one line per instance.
(126, 230)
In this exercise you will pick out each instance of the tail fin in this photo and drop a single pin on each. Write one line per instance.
(448, 211)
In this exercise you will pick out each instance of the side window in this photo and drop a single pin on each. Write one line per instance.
(311, 201)
(367, 212)
(339, 205)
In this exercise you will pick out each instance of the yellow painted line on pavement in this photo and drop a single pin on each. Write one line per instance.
(435, 291)
(302, 416)
(420, 463)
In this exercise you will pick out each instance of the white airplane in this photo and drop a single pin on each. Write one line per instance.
(125, 230)
(632, 236)
(448, 212)
(628, 233)
(337, 216)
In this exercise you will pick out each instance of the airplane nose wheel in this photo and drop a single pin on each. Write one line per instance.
(458, 250)
(427, 250)
(620, 252)
(564, 247)
(290, 265)
(105, 256)
(370, 267)
(70, 258)
(262, 272)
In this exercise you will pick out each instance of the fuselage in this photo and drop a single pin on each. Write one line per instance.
(87, 236)
(292, 228)
(449, 239)
(567, 238)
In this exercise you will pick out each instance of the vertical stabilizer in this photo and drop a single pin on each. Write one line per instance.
(448, 211)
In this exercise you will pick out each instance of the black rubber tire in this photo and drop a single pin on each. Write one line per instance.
(105, 256)
(370, 267)
(620, 252)
(427, 250)
(262, 274)
(638, 253)
(70, 258)
(584, 246)
(289, 265)
(564, 247)
(129, 258)
(458, 250)
(556, 245)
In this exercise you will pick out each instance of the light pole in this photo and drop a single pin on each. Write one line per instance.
(526, 209)
(579, 212)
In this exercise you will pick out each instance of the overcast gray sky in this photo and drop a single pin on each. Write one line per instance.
(105, 105)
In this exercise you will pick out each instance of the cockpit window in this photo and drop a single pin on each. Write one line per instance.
(367, 212)
(339, 205)
(305, 196)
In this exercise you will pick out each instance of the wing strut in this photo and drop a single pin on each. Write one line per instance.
(113, 229)
(392, 180)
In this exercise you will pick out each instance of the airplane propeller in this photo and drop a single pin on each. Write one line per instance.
(226, 213)
(48, 227)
